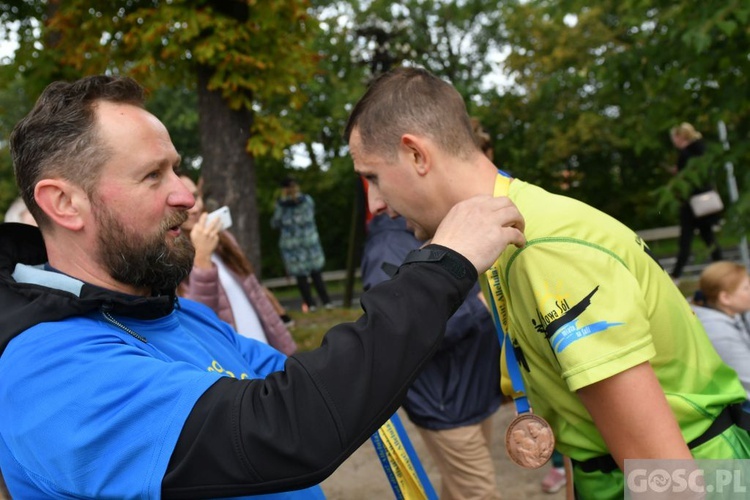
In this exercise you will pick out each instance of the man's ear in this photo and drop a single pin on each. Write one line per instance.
(418, 151)
(62, 202)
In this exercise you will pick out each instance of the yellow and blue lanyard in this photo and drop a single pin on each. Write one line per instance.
(400, 462)
(511, 364)
(502, 188)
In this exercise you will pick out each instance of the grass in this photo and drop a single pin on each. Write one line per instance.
(335, 287)
(700, 254)
(669, 246)
(309, 328)
(688, 286)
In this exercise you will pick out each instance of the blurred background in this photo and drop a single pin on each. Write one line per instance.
(577, 97)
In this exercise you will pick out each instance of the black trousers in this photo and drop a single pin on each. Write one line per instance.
(688, 224)
(303, 283)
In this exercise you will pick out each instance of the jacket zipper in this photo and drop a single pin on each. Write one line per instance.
(112, 320)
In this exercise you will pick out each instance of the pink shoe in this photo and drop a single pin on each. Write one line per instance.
(554, 480)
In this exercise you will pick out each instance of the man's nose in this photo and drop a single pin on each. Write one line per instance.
(376, 204)
(180, 196)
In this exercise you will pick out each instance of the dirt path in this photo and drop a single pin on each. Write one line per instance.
(362, 477)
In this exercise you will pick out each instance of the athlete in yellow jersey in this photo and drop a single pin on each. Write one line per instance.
(612, 355)
(586, 302)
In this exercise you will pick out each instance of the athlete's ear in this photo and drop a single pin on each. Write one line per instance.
(417, 151)
(63, 202)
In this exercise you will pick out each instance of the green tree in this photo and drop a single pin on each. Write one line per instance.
(320, 159)
(599, 86)
(13, 104)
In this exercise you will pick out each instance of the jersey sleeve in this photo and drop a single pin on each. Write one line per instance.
(580, 306)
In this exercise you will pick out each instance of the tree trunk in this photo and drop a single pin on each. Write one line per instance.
(228, 169)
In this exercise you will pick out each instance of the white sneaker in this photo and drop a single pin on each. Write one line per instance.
(554, 480)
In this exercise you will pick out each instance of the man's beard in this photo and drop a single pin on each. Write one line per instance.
(144, 261)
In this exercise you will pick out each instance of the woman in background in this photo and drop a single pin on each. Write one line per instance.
(223, 279)
(721, 304)
(299, 242)
(689, 143)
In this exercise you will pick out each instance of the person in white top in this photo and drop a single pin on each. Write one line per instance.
(223, 279)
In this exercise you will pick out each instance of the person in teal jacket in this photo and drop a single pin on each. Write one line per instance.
(299, 241)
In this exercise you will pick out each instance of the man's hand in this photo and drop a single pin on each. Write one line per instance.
(205, 238)
(480, 228)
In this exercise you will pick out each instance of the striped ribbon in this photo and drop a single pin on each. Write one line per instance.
(401, 463)
(511, 381)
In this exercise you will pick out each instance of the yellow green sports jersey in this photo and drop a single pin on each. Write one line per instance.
(585, 300)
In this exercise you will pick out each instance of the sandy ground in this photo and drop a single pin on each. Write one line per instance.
(362, 477)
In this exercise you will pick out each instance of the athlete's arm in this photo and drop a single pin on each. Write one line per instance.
(633, 416)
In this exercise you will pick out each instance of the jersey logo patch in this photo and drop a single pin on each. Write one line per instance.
(570, 314)
(566, 330)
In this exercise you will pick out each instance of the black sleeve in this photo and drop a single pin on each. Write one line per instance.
(682, 159)
(294, 428)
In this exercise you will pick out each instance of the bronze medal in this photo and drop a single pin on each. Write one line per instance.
(529, 441)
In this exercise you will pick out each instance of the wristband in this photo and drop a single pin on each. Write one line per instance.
(443, 258)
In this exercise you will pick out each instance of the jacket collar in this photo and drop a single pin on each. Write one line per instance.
(31, 294)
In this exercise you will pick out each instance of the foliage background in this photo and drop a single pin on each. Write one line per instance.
(578, 97)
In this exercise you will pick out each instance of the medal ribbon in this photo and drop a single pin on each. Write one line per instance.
(510, 365)
(400, 462)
